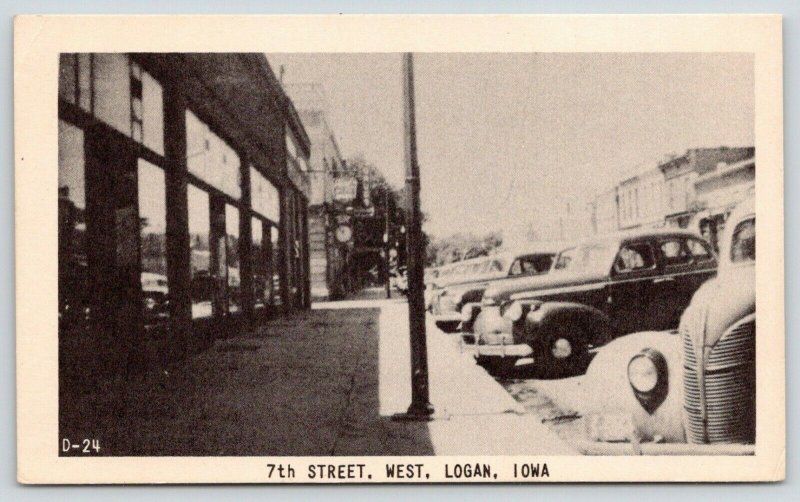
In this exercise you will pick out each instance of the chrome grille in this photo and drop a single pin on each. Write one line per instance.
(447, 304)
(729, 386)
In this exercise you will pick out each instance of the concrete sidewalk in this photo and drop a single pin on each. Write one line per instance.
(474, 415)
(319, 383)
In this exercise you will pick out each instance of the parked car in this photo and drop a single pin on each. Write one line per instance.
(461, 272)
(695, 384)
(598, 289)
(461, 301)
(155, 296)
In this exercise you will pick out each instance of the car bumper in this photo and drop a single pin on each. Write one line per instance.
(520, 350)
(447, 317)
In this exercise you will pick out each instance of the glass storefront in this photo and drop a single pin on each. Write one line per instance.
(73, 305)
(232, 253)
(123, 228)
(202, 288)
(153, 234)
(277, 299)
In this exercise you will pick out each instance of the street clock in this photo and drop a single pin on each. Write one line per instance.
(344, 233)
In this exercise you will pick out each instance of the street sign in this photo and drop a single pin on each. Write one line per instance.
(364, 212)
(345, 189)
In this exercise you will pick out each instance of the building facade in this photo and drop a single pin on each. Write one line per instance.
(328, 256)
(640, 200)
(681, 173)
(182, 207)
(719, 191)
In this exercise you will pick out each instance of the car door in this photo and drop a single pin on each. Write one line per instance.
(632, 304)
(697, 266)
(673, 288)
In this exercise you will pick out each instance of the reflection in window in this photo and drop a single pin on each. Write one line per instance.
(265, 197)
(262, 282)
(72, 263)
(697, 248)
(232, 249)
(276, 268)
(210, 158)
(112, 90)
(743, 242)
(634, 257)
(153, 222)
(674, 252)
(199, 229)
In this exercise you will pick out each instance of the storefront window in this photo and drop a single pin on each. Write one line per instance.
(112, 90)
(261, 275)
(265, 197)
(118, 92)
(153, 223)
(276, 268)
(199, 236)
(232, 248)
(72, 262)
(210, 158)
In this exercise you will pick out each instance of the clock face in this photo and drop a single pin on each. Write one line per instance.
(343, 233)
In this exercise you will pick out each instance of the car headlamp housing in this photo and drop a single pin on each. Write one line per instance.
(649, 378)
(466, 312)
(513, 312)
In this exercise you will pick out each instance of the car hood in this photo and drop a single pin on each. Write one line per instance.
(501, 291)
(719, 303)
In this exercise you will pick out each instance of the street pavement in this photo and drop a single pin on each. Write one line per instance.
(321, 382)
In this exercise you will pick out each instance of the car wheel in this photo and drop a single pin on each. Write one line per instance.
(497, 366)
(562, 353)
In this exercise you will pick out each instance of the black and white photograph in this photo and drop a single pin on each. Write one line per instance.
(358, 255)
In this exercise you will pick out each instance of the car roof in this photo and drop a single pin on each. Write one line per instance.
(625, 236)
(550, 247)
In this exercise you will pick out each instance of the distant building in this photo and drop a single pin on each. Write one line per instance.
(719, 191)
(328, 256)
(641, 200)
(680, 174)
(606, 215)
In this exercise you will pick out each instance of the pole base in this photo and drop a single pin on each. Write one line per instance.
(416, 413)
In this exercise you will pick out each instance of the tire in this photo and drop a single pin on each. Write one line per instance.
(448, 326)
(562, 352)
(497, 366)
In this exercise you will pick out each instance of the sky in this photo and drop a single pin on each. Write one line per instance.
(503, 139)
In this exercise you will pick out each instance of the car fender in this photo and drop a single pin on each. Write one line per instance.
(474, 295)
(607, 390)
(588, 319)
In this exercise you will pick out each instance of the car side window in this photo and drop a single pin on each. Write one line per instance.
(516, 268)
(674, 252)
(743, 242)
(698, 249)
(634, 257)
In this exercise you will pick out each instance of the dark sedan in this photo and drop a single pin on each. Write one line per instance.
(599, 289)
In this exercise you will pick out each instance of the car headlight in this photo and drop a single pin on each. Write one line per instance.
(649, 378)
(642, 373)
(513, 312)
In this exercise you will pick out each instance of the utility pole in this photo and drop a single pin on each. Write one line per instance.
(420, 408)
(386, 241)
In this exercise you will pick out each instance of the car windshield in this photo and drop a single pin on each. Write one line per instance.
(587, 258)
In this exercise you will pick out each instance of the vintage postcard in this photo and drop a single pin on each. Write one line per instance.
(399, 249)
